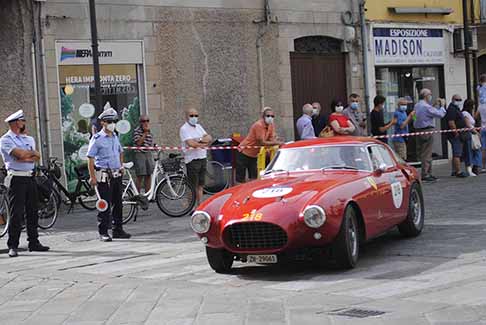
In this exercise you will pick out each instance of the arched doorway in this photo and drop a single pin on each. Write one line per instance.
(318, 72)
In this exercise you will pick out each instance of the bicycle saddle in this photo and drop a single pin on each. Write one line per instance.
(174, 155)
(128, 165)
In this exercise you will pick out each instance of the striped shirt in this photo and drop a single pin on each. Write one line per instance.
(147, 142)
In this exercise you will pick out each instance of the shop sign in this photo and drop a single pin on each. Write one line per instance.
(80, 53)
(408, 46)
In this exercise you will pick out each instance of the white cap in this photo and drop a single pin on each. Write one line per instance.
(19, 115)
(108, 114)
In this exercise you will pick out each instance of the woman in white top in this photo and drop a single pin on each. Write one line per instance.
(473, 156)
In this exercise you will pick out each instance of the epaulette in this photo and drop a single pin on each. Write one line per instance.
(97, 135)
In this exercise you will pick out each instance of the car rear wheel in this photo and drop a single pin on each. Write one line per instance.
(413, 225)
(345, 248)
(220, 260)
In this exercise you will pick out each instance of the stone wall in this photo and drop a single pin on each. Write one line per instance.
(16, 81)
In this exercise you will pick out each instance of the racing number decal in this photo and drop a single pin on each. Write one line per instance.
(252, 216)
(397, 194)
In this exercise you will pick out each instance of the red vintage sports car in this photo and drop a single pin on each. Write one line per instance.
(322, 195)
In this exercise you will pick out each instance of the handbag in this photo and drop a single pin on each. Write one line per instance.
(476, 141)
(326, 132)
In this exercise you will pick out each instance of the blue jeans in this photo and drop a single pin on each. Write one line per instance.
(468, 152)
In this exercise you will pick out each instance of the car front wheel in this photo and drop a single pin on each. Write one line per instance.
(413, 225)
(346, 246)
(220, 260)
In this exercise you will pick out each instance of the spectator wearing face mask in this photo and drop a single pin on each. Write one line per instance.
(340, 123)
(319, 118)
(357, 117)
(401, 127)
(262, 133)
(377, 119)
(304, 126)
(455, 120)
(425, 115)
(195, 139)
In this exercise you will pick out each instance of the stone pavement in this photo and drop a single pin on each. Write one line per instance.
(161, 276)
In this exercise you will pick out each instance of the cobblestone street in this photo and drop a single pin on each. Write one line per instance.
(161, 275)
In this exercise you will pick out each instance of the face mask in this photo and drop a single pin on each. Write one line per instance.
(110, 127)
(339, 109)
(269, 120)
(315, 111)
(429, 98)
(458, 103)
(354, 105)
(403, 108)
(193, 121)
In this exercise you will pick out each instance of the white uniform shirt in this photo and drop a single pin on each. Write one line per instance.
(187, 132)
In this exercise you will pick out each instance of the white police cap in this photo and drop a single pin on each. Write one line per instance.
(19, 115)
(108, 114)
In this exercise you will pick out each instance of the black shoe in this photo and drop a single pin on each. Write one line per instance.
(121, 234)
(38, 247)
(105, 237)
(428, 178)
(435, 178)
(461, 175)
(12, 252)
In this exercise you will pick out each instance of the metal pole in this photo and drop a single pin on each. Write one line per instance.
(364, 52)
(467, 44)
(475, 58)
(96, 62)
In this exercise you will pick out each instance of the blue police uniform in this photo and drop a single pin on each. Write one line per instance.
(22, 189)
(105, 149)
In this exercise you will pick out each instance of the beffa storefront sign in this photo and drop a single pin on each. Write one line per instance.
(80, 53)
(408, 46)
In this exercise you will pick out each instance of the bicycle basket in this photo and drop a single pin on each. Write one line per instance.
(171, 165)
(82, 171)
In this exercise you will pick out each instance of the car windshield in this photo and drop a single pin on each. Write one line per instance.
(350, 157)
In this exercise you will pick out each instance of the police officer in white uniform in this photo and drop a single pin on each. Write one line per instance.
(19, 155)
(105, 155)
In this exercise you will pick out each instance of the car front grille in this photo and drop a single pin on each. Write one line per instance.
(255, 235)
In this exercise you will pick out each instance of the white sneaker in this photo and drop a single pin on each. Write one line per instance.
(470, 172)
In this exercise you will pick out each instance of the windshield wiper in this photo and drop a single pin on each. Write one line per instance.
(274, 171)
(339, 167)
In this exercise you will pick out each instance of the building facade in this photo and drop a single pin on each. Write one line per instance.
(412, 47)
(227, 58)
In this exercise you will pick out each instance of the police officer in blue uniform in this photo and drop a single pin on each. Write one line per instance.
(105, 155)
(19, 155)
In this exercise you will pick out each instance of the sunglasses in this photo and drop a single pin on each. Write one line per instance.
(193, 115)
(143, 121)
(269, 115)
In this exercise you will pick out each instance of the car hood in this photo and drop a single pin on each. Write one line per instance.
(280, 196)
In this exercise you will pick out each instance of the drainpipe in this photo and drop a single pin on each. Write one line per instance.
(259, 45)
(475, 58)
(36, 100)
(467, 44)
(364, 52)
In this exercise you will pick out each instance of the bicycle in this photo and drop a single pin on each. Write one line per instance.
(168, 187)
(217, 177)
(47, 210)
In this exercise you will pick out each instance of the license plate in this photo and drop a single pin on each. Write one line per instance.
(263, 259)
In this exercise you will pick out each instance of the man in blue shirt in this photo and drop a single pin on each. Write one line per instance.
(425, 115)
(305, 129)
(105, 155)
(401, 127)
(19, 154)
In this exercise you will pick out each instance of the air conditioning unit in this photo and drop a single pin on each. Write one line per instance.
(458, 39)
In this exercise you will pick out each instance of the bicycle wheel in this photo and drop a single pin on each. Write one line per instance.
(130, 207)
(87, 198)
(176, 198)
(214, 179)
(4, 212)
(48, 211)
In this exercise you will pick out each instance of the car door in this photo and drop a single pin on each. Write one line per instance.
(389, 189)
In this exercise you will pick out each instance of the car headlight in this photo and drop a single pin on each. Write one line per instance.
(314, 216)
(200, 222)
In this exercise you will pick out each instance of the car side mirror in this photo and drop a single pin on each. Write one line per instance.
(381, 169)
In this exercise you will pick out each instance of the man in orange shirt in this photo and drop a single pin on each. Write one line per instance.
(262, 133)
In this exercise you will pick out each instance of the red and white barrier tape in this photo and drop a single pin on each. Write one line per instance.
(165, 148)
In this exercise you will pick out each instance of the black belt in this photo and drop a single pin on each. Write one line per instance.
(426, 128)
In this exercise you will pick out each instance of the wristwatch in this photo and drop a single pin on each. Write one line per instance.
(200, 140)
